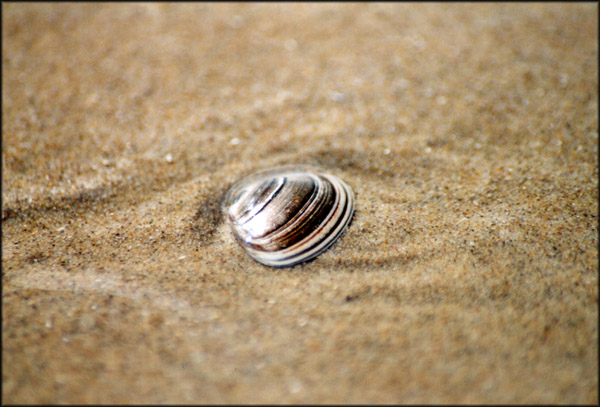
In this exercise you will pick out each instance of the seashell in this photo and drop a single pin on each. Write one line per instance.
(287, 215)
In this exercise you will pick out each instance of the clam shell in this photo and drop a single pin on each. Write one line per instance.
(287, 215)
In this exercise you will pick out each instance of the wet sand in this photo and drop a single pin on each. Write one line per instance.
(469, 135)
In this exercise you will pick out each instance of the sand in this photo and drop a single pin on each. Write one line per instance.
(468, 132)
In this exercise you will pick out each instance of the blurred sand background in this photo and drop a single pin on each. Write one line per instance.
(468, 132)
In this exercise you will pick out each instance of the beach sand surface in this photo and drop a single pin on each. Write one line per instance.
(468, 133)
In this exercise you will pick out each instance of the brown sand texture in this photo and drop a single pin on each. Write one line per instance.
(468, 132)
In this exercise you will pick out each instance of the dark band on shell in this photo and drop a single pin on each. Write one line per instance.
(287, 215)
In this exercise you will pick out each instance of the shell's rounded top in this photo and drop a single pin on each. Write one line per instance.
(285, 215)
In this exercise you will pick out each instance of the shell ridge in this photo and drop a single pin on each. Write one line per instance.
(301, 221)
(275, 220)
(323, 244)
(264, 203)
